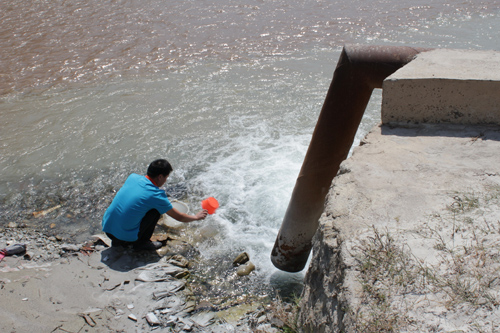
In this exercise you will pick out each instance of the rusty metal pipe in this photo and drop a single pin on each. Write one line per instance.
(360, 69)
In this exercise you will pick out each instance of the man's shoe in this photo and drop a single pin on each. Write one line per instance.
(119, 244)
(148, 246)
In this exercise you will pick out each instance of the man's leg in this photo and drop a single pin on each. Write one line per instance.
(146, 229)
(115, 242)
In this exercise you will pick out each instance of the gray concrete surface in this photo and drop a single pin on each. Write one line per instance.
(445, 86)
(403, 182)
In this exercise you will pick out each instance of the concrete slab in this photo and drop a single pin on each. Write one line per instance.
(445, 86)
(431, 191)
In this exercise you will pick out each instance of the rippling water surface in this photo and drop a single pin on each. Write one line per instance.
(229, 92)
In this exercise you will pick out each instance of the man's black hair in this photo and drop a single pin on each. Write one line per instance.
(159, 167)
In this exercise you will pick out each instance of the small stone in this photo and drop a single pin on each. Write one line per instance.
(189, 307)
(12, 225)
(132, 317)
(204, 305)
(245, 269)
(152, 319)
(179, 261)
(70, 248)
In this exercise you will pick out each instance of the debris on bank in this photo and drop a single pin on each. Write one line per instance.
(126, 290)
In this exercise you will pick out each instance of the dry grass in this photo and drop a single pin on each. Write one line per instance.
(287, 313)
(386, 270)
(466, 240)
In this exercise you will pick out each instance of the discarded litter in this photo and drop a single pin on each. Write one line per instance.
(15, 249)
(171, 288)
(46, 211)
(12, 250)
(203, 319)
(161, 271)
(154, 276)
(241, 259)
(88, 319)
(103, 238)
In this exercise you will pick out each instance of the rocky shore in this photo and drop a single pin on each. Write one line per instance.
(56, 286)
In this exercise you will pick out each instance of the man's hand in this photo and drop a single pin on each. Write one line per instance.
(201, 215)
(174, 213)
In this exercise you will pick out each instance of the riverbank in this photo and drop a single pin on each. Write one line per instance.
(410, 236)
(62, 287)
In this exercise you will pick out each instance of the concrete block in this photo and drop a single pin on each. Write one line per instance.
(445, 86)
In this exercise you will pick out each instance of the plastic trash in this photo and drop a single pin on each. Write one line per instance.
(46, 211)
(241, 259)
(14, 249)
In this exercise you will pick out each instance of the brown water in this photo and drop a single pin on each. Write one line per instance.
(228, 91)
(45, 43)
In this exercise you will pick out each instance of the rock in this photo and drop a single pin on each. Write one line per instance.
(241, 259)
(245, 269)
(12, 225)
(179, 261)
(176, 247)
(163, 251)
(204, 305)
(70, 247)
(159, 238)
(152, 319)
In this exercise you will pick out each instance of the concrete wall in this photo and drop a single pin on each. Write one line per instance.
(445, 86)
(397, 181)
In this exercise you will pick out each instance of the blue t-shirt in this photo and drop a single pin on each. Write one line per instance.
(136, 197)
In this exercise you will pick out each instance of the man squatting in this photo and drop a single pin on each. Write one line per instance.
(132, 216)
